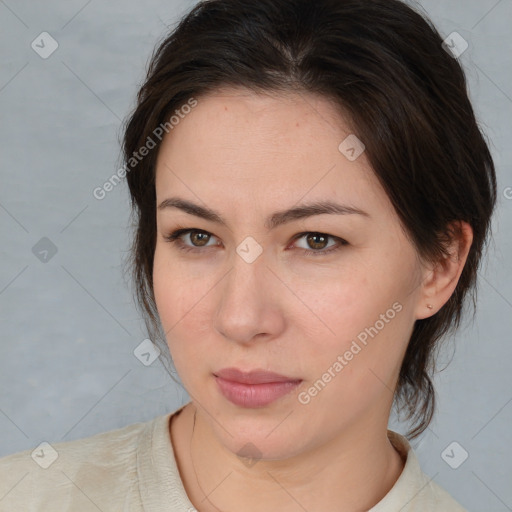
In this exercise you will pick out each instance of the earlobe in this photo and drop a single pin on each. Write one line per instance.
(441, 281)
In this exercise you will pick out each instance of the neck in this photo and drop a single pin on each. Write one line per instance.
(352, 472)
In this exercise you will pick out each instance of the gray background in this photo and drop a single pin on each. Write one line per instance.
(69, 326)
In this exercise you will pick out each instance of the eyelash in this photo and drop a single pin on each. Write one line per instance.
(175, 236)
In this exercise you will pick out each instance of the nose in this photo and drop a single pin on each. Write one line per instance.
(249, 303)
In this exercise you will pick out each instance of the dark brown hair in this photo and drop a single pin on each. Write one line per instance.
(384, 65)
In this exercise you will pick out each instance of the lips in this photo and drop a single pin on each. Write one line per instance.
(253, 376)
(253, 389)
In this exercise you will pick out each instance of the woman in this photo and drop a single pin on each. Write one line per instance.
(312, 198)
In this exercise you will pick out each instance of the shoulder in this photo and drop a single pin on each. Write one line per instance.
(432, 497)
(439, 499)
(414, 491)
(100, 469)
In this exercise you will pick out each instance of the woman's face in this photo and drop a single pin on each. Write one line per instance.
(247, 295)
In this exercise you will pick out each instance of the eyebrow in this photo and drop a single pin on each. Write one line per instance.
(273, 221)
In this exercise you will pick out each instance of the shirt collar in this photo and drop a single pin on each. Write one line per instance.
(161, 487)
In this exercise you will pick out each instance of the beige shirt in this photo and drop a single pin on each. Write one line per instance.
(133, 469)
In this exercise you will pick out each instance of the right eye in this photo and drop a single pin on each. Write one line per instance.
(198, 235)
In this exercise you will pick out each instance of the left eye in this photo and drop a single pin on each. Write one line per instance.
(319, 241)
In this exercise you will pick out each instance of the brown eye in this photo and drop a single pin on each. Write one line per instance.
(317, 240)
(199, 238)
(317, 244)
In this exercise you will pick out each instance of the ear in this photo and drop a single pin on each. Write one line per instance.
(440, 279)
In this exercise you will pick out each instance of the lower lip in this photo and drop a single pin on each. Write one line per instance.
(254, 395)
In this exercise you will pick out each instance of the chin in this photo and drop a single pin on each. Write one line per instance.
(260, 446)
(258, 433)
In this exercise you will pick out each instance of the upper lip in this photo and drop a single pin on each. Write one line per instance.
(253, 376)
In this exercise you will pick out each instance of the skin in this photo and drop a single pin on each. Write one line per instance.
(247, 156)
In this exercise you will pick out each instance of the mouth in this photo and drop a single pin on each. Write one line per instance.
(253, 389)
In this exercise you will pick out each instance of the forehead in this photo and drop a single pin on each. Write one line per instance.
(267, 146)
(276, 119)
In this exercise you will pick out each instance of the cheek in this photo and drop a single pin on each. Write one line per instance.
(181, 300)
(335, 306)
(358, 365)
(176, 287)
(361, 316)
